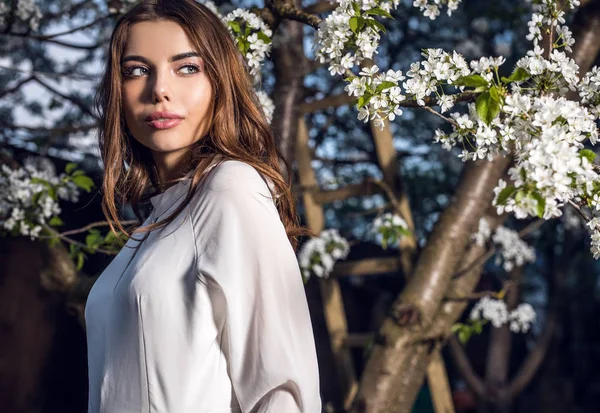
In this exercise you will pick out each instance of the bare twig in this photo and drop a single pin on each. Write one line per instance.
(75, 242)
(73, 30)
(78, 102)
(50, 74)
(88, 227)
(490, 253)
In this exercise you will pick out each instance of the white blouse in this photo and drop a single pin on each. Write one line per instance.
(210, 315)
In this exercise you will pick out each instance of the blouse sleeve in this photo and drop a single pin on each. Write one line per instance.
(269, 342)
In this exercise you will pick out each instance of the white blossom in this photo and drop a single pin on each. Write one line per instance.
(21, 210)
(495, 311)
(513, 250)
(267, 104)
(318, 255)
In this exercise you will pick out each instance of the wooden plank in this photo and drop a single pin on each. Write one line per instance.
(437, 377)
(353, 190)
(335, 315)
(367, 266)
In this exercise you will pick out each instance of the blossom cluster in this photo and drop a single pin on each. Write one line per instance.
(496, 312)
(377, 94)
(26, 203)
(589, 91)
(548, 13)
(552, 167)
(594, 225)
(253, 39)
(513, 251)
(388, 228)
(350, 33)
(266, 103)
(431, 8)
(252, 35)
(319, 254)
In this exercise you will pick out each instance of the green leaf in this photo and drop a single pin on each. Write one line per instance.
(264, 37)
(80, 260)
(93, 239)
(487, 108)
(235, 26)
(55, 221)
(73, 249)
(456, 327)
(36, 197)
(52, 193)
(240, 46)
(495, 94)
(376, 25)
(78, 172)
(361, 23)
(70, 167)
(464, 335)
(519, 195)
(354, 24)
(384, 85)
(53, 241)
(505, 194)
(379, 12)
(518, 75)
(84, 182)
(35, 180)
(471, 81)
(541, 204)
(356, 8)
(364, 99)
(586, 153)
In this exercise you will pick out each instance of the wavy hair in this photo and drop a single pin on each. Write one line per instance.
(238, 129)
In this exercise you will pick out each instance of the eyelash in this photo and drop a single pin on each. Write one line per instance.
(127, 72)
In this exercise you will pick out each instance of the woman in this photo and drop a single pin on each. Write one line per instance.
(205, 312)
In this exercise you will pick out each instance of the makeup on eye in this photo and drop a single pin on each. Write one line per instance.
(128, 70)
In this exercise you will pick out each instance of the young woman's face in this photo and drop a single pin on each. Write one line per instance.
(161, 73)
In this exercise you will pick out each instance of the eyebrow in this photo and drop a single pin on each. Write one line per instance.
(172, 59)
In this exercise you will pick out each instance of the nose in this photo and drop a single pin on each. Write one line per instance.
(160, 89)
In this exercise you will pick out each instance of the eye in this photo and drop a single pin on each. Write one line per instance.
(131, 71)
(194, 68)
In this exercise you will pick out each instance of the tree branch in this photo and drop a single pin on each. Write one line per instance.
(474, 381)
(16, 87)
(78, 102)
(284, 10)
(409, 102)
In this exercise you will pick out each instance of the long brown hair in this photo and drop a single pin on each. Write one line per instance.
(239, 129)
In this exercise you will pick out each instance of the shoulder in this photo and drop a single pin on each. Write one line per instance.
(232, 174)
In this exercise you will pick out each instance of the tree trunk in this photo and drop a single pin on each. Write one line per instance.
(289, 62)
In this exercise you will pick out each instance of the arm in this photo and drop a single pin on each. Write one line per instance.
(269, 341)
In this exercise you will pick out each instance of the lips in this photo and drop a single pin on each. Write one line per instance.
(163, 120)
(164, 124)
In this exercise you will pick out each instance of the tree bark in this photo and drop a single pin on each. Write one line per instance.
(289, 63)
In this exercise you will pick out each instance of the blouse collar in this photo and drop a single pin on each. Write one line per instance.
(162, 201)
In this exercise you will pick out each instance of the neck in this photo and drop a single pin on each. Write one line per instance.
(169, 166)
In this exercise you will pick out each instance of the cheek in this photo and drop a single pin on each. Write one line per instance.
(198, 100)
